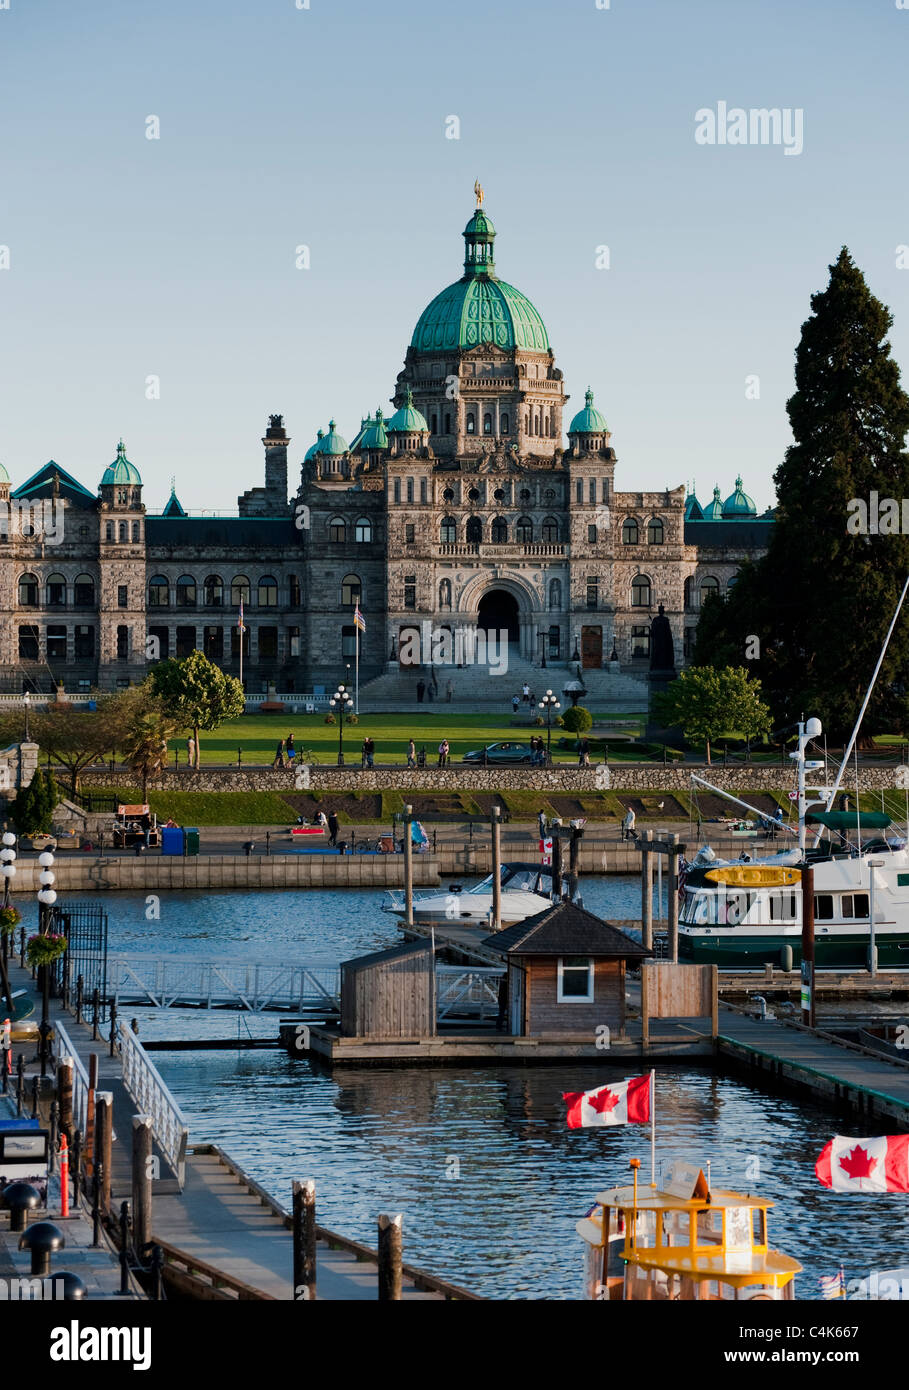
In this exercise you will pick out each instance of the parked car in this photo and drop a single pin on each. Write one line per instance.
(500, 753)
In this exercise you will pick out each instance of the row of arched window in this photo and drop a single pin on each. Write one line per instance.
(488, 427)
(187, 591)
(361, 531)
(120, 531)
(498, 530)
(696, 591)
(631, 531)
(56, 591)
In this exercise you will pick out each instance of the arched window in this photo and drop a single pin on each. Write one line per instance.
(136, 533)
(505, 424)
(28, 591)
(709, 585)
(550, 529)
(448, 495)
(213, 591)
(731, 583)
(448, 531)
(471, 423)
(655, 531)
(350, 590)
(337, 529)
(474, 532)
(123, 531)
(555, 635)
(239, 590)
(630, 531)
(555, 593)
(158, 591)
(267, 592)
(487, 424)
(56, 591)
(499, 531)
(108, 530)
(84, 591)
(523, 530)
(363, 530)
(186, 591)
(445, 593)
(687, 599)
(448, 423)
(640, 591)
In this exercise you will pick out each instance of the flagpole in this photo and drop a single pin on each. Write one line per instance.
(653, 1182)
(242, 630)
(357, 671)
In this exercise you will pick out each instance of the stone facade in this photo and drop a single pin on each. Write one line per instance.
(464, 510)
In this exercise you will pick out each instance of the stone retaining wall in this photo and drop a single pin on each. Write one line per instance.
(628, 777)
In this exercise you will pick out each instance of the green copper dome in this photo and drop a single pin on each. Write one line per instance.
(739, 504)
(588, 420)
(4, 476)
(408, 419)
(480, 308)
(333, 442)
(121, 470)
(374, 435)
(714, 510)
(693, 509)
(314, 449)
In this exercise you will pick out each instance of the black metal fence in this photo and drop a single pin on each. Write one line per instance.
(85, 927)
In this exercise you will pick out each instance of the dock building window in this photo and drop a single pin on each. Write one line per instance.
(575, 980)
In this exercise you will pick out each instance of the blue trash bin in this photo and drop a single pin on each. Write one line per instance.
(171, 840)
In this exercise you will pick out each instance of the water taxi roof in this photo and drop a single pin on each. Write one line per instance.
(849, 820)
(731, 1266)
(651, 1199)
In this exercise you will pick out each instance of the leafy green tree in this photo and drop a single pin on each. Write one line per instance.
(820, 602)
(31, 811)
(577, 719)
(707, 702)
(145, 744)
(196, 694)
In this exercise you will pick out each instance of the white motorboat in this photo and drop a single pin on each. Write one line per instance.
(526, 890)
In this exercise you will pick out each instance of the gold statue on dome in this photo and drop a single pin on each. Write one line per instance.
(479, 193)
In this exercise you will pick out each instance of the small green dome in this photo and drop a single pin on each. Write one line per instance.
(739, 504)
(588, 420)
(333, 443)
(714, 510)
(408, 419)
(374, 435)
(314, 448)
(4, 476)
(480, 308)
(121, 470)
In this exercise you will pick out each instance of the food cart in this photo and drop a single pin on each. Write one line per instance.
(133, 824)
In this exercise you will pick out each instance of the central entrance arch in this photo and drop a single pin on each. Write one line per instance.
(498, 611)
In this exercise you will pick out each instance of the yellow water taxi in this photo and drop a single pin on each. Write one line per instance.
(682, 1242)
(754, 876)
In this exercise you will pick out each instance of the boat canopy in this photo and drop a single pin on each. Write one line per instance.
(849, 820)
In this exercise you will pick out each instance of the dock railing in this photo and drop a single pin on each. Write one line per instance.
(63, 1047)
(153, 1098)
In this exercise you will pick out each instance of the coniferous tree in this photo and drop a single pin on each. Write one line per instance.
(822, 598)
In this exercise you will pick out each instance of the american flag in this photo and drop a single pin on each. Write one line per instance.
(359, 620)
(833, 1285)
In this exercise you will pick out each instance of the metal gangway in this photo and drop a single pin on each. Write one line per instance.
(198, 982)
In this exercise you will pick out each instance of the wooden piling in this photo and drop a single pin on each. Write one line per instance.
(495, 826)
(808, 1009)
(389, 1257)
(673, 899)
(104, 1128)
(574, 849)
(88, 1148)
(65, 1097)
(556, 833)
(646, 891)
(408, 867)
(304, 1234)
(143, 1168)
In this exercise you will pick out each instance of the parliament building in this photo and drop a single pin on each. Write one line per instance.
(478, 501)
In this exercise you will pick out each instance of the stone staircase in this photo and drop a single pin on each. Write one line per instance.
(476, 687)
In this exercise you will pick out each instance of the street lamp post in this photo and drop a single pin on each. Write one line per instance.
(549, 703)
(46, 899)
(342, 702)
(7, 860)
(28, 700)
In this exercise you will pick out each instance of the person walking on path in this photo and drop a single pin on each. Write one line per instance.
(541, 822)
(411, 754)
(369, 748)
(584, 753)
(515, 701)
(291, 751)
(191, 751)
(449, 691)
(628, 830)
(333, 828)
(279, 755)
(421, 691)
(525, 692)
(443, 752)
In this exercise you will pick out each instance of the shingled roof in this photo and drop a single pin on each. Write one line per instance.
(565, 930)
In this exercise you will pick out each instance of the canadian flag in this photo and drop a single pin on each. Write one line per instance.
(626, 1103)
(865, 1165)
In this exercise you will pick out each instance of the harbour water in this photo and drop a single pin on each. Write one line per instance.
(488, 1178)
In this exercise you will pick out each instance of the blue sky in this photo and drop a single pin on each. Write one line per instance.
(281, 127)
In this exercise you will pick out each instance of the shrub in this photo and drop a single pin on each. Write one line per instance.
(559, 722)
(329, 719)
(10, 917)
(539, 721)
(577, 720)
(353, 719)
